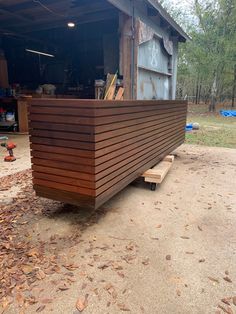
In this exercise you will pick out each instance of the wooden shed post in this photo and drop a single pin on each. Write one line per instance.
(128, 38)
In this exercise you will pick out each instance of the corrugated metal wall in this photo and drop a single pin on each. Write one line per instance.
(153, 78)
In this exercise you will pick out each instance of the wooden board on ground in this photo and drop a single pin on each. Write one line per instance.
(159, 172)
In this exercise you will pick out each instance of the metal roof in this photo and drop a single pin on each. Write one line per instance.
(168, 18)
(26, 16)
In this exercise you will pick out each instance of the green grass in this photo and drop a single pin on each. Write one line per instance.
(214, 129)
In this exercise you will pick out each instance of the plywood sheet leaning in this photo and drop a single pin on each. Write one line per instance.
(86, 151)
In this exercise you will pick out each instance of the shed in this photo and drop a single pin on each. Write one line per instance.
(136, 38)
(85, 150)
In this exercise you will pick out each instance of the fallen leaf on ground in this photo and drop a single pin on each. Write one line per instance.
(227, 279)
(111, 290)
(84, 285)
(46, 301)
(117, 267)
(20, 299)
(82, 303)
(108, 286)
(33, 253)
(225, 301)
(234, 301)
(130, 247)
(41, 308)
(214, 279)
(40, 274)
(185, 238)
(5, 303)
(122, 275)
(146, 262)
(228, 310)
(168, 257)
(71, 267)
(189, 253)
(27, 269)
(202, 260)
(129, 258)
(199, 228)
(63, 287)
(123, 307)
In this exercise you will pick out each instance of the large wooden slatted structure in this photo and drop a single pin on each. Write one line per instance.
(86, 151)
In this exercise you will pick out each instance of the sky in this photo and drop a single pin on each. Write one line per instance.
(185, 6)
(182, 3)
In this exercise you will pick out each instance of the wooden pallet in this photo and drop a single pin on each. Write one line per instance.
(158, 173)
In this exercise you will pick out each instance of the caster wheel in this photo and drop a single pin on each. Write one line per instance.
(153, 186)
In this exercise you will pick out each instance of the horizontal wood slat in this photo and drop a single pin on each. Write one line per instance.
(91, 103)
(98, 121)
(85, 151)
(60, 154)
(99, 112)
(105, 183)
(104, 128)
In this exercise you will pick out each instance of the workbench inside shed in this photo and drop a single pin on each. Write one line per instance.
(19, 108)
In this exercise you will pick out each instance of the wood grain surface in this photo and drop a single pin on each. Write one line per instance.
(86, 151)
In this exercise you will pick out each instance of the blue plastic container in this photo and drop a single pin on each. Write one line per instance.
(189, 127)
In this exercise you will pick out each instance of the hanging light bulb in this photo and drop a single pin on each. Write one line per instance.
(71, 24)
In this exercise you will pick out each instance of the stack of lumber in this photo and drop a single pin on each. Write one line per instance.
(158, 173)
(110, 91)
(86, 151)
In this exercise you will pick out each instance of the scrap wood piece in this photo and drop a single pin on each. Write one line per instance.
(169, 158)
(111, 93)
(120, 94)
(110, 84)
(159, 172)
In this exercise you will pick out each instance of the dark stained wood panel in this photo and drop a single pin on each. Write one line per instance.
(86, 151)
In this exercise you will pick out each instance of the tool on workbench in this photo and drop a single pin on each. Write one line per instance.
(9, 146)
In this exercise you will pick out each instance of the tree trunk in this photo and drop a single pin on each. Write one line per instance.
(212, 107)
(199, 93)
(234, 87)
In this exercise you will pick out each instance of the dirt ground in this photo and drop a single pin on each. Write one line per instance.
(168, 251)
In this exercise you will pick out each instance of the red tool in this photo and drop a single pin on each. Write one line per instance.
(9, 146)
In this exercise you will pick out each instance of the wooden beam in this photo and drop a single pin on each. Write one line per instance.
(88, 18)
(123, 5)
(10, 33)
(15, 15)
(39, 19)
(126, 54)
(24, 5)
